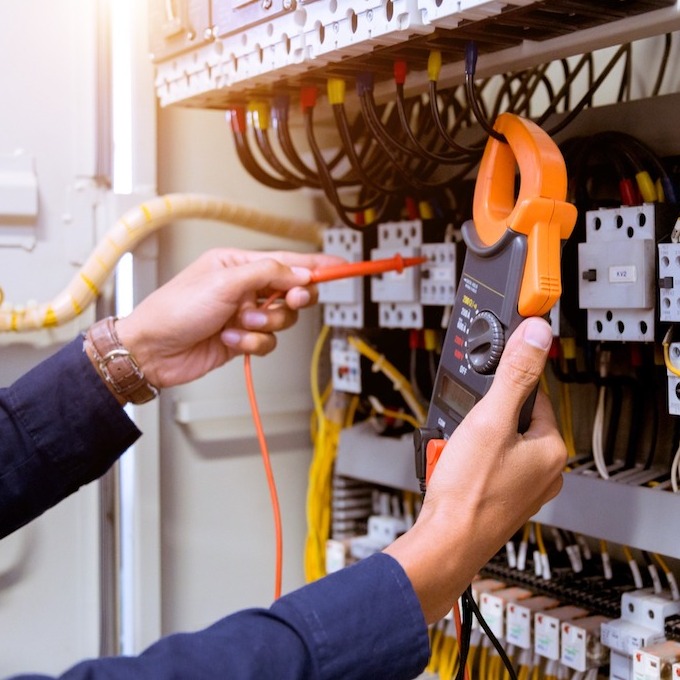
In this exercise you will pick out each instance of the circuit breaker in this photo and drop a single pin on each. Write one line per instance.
(617, 273)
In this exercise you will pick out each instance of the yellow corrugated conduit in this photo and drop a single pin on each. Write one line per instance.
(134, 226)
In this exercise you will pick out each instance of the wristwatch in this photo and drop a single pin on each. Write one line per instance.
(116, 364)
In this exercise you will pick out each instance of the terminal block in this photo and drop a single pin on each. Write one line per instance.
(344, 299)
(398, 293)
(438, 274)
(642, 623)
(657, 661)
(581, 647)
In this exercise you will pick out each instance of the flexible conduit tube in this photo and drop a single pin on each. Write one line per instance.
(135, 225)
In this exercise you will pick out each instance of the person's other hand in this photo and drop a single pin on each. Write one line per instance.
(210, 312)
(489, 479)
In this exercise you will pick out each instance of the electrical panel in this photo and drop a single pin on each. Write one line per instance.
(398, 172)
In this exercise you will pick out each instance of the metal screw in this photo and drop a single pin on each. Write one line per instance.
(288, 4)
(676, 351)
(369, 15)
(266, 4)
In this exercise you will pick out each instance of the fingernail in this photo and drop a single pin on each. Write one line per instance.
(231, 337)
(538, 334)
(253, 318)
(300, 298)
(302, 271)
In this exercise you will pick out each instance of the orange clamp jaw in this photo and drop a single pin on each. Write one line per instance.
(540, 210)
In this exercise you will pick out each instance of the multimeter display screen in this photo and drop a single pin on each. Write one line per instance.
(455, 396)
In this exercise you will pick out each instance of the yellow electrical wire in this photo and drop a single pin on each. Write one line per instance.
(666, 353)
(391, 413)
(436, 639)
(483, 663)
(448, 656)
(330, 414)
(399, 381)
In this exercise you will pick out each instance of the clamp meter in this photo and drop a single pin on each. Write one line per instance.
(511, 271)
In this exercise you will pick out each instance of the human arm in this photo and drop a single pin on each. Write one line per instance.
(363, 622)
(60, 425)
(489, 480)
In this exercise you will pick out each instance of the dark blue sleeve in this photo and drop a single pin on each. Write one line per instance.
(363, 622)
(60, 428)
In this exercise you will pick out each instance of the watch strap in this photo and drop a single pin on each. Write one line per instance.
(116, 364)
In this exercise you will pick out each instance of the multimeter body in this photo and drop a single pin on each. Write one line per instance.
(511, 271)
(484, 315)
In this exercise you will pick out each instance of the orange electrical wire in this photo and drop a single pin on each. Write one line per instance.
(396, 263)
(270, 475)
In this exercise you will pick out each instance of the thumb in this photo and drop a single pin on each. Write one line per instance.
(519, 369)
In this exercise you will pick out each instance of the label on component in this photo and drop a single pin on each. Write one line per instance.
(623, 274)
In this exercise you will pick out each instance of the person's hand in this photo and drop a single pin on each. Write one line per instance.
(210, 312)
(489, 479)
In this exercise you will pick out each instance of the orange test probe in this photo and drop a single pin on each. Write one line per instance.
(364, 268)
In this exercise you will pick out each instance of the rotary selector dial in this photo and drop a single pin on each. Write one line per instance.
(485, 342)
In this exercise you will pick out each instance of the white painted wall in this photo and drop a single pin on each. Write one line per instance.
(49, 606)
(217, 536)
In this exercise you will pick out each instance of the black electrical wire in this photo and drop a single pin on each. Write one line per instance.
(248, 161)
(565, 91)
(368, 178)
(408, 175)
(465, 634)
(588, 95)
(280, 109)
(474, 150)
(492, 638)
(472, 95)
(265, 147)
(664, 64)
(330, 188)
(422, 151)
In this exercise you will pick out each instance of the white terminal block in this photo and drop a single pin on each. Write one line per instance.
(398, 293)
(438, 274)
(343, 299)
(642, 623)
(617, 273)
(547, 629)
(481, 587)
(493, 607)
(669, 282)
(581, 648)
(382, 530)
(519, 620)
(656, 662)
(345, 366)
(675, 671)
